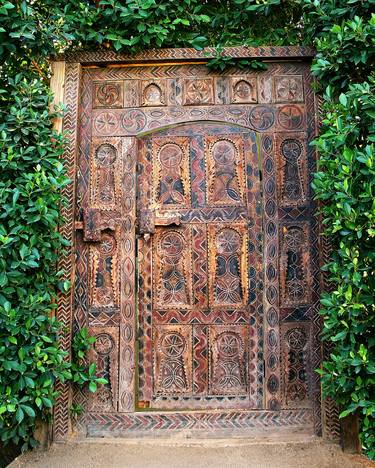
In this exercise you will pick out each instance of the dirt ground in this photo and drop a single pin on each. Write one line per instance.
(206, 454)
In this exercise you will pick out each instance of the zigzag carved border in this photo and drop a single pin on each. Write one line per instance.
(155, 55)
(64, 310)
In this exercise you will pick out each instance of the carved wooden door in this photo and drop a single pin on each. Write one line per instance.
(199, 267)
(196, 263)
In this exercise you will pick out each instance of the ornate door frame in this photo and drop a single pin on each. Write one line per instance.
(78, 95)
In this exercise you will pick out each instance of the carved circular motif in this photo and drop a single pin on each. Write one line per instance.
(106, 155)
(170, 155)
(107, 245)
(229, 344)
(290, 117)
(288, 89)
(134, 121)
(172, 244)
(104, 344)
(296, 338)
(224, 152)
(228, 241)
(108, 93)
(294, 237)
(261, 118)
(243, 90)
(172, 344)
(291, 149)
(106, 123)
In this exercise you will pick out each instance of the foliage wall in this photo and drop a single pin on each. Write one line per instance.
(32, 173)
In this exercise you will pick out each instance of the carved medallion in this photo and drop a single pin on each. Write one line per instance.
(261, 118)
(153, 93)
(290, 117)
(108, 94)
(244, 90)
(198, 91)
(289, 88)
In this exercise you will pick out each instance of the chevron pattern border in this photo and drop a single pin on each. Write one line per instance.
(64, 310)
(128, 425)
(155, 55)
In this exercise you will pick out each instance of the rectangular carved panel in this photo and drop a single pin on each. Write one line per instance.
(243, 89)
(172, 266)
(104, 258)
(198, 91)
(225, 170)
(172, 346)
(292, 169)
(288, 88)
(295, 265)
(105, 354)
(296, 361)
(106, 169)
(228, 271)
(171, 172)
(229, 360)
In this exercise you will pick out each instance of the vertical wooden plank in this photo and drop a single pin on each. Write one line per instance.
(127, 273)
(57, 84)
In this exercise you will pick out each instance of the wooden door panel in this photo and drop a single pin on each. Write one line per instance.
(203, 181)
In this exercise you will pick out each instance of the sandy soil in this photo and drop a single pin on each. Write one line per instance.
(205, 454)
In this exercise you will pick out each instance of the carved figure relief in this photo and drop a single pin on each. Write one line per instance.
(172, 283)
(243, 90)
(295, 265)
(228, 360)
(289, 88)
(225, 171)
(198, 91)
(153, 93)
(172, 180)
(108, 94)
(172, 347)
(104, 272)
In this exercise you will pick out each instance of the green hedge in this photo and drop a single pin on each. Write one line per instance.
(32, 175)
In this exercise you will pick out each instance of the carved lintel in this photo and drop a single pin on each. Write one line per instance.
(94, 222)
(148, 221)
